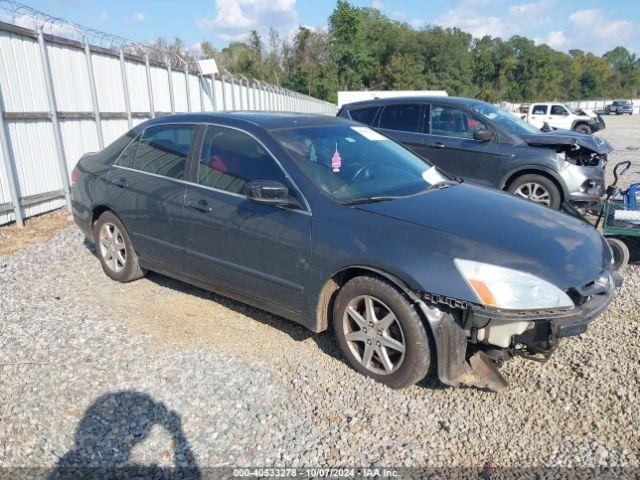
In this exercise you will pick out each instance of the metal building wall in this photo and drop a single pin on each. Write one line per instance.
(60, 98)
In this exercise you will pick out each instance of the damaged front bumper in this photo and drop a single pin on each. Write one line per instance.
(464, 349)
(584, 184)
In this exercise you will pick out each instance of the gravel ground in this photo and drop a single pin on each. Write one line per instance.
(93, 372)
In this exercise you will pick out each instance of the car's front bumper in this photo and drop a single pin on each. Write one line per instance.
(583, 183)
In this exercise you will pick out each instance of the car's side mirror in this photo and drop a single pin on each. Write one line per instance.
(269, 191)
(483, 135)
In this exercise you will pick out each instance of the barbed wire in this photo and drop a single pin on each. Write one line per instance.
(28, 17)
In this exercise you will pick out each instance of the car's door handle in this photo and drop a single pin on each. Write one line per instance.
(438, 145)
(200, 205)
(122, 183)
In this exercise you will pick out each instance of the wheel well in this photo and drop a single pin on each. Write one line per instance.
(520, 173)
(327, 297)
(97, 211)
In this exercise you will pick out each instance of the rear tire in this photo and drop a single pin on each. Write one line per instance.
(380, 333)
(115, 250)
(536, 188)
(621, 253)
(583, 129)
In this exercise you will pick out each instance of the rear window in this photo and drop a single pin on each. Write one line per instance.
(364, 115)
(404, 117)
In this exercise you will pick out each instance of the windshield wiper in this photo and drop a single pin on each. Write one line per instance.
(384, 198)
(373, 199)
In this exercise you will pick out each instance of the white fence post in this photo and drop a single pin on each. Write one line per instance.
(125, 88)
(172, 99)
(186, 82)
(152, 110)
(94, 96)
(7, 155)
(53, 112)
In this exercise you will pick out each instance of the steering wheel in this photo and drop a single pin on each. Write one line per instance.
(360, 172)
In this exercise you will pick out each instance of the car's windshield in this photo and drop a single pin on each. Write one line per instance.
(505, 120)
(355, 162)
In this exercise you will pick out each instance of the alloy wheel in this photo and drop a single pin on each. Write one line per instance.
(534, 192)
(112, 247)
(374, 335)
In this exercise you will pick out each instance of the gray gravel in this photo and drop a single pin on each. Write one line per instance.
(156, 372)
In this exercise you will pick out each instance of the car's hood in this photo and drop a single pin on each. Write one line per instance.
(494, 227)
(558, 138)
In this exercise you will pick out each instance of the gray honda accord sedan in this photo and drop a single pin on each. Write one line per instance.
(333, 225)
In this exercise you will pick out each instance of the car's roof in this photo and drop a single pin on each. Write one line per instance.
(265, 120)
(413, 99)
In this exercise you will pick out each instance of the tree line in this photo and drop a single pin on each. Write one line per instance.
(363, 49)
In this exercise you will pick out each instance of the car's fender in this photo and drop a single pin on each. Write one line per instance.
(532, 168)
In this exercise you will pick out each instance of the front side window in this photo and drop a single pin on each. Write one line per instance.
(404, 117)
(539, 110)
(350, 163)
(163, 150)
(230, 159)
(558, 110)
(364, 115)
(452, 122)
(504, 120)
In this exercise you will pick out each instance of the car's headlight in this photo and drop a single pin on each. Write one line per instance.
(509, 289)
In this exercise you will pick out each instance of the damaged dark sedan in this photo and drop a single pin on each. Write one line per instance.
(486, 145)
(328, 223)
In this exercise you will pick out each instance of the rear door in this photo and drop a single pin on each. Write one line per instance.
(147, 188)
(451, 146)
(256, 249)
(403, 122)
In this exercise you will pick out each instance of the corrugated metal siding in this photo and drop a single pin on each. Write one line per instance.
(194, 91)
(179, 90)
(160, 87)
(70, 79)
(5, 192)
(21, 74)
(112, 129)
(108, 83)
(137, 83)
(78, 137)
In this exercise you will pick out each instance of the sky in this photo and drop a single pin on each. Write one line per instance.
(590, 25)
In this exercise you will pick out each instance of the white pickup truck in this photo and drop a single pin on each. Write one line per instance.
(559, 116)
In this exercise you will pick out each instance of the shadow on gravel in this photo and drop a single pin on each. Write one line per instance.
(111, 427)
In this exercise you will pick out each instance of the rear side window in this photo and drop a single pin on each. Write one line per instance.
(163, 150)
(539, 110)
(405, 117)
(364, 115)
(127, 158)
(230, 159)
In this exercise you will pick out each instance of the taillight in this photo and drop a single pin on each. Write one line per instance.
(74, 176)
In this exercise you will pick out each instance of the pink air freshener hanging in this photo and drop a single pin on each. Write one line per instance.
(336, 161)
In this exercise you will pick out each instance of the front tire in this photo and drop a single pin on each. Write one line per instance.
(536, 188)
(583, 129)
(115, 250)
(380, 333)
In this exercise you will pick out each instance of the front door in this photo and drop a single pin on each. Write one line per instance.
(451, 146)
(560, 117)
(256, 249)
(146, 186)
